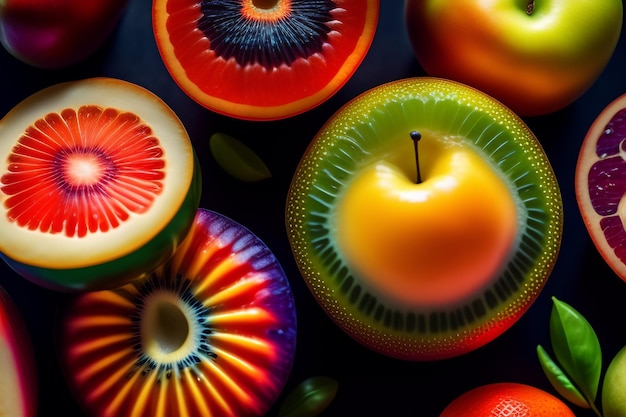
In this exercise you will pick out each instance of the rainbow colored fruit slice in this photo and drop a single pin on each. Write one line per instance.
(99, 184)
(600, 180)
(210, 333)
(18, 379)
(263, 59)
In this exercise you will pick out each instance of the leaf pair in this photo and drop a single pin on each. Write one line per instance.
(575, 372)
(238, 160)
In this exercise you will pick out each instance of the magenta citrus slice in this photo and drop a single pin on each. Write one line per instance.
(263, 59)
(18, 379)
(601, 183)
(99, 183)
(210, 333)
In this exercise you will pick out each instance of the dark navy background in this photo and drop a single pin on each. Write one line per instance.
(369, 384)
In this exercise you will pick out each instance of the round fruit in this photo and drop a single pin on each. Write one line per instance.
(614, 387)
(210, 333)
(600, 180)
(18, 395)
(263, 59)
(535, 57)
(430, 262)
(99, 183)
(507, 399)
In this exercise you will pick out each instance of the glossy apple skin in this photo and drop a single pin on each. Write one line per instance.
(15, 338)
(535, 64)
(57, 33)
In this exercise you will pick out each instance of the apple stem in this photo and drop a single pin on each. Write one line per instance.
(415, 137)
(530, 7)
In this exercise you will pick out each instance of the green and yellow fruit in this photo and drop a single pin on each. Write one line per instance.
(425, 218)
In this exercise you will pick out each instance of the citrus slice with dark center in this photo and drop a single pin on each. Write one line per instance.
(210, 333)
(601, 184)
(99, 183)
(263, 59)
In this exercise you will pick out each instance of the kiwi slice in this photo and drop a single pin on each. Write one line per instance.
(211, 332)
(263, 59)
(99, 183)
(376, 125)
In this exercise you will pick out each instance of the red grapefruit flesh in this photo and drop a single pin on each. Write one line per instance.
(600, 181)
(263, 60)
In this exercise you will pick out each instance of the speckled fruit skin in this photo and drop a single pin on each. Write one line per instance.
(534, 63)
(370, 125)
(15, 345)
(614, 387)
(599, 183)
(507, 399)
(57, 33)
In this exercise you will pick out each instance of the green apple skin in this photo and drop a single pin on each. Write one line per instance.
(55, 34)
(536, 57)
(614, 387)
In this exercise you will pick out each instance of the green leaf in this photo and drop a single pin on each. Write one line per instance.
(559, 380)
(576, 348)
(238, 160)
(309, 398)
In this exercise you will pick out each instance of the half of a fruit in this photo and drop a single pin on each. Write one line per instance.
(18, 379)
(375, 127)
(210, 333)
(99, 184)
(600, 180)
(263, 59)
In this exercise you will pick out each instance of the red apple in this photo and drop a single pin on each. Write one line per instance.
(57, 33)
(535, 57)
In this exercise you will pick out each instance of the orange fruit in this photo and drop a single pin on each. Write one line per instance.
(507, 399)
(600, 179)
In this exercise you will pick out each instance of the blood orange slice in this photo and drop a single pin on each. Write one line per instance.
(601, 184)
(263, 59)
(99, 183)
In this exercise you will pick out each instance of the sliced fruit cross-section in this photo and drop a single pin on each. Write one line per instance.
(98, 184)
(263, 59)
(600, 180)
(210, 333)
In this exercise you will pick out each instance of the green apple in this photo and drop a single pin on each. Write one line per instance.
(535, 57)
(614, 387)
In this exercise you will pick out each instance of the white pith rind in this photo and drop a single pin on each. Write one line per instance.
(59, 251)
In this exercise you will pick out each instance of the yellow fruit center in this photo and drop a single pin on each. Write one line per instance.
(436, 242)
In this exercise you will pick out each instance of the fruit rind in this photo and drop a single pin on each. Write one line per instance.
(56, 260)
(313, 189)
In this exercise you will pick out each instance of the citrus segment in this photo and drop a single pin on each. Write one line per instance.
(600, 180)
(98, 185)
(263, 60)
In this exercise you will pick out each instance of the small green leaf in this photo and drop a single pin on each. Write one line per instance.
(238, 160)
(309, 398)
(559, 380)
(576, 348)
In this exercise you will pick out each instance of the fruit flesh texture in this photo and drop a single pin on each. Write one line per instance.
(212, 332)
(507, 400)
(439, 241)
(600, 184)
(526, 61)
(254, 91)
(108, 237)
